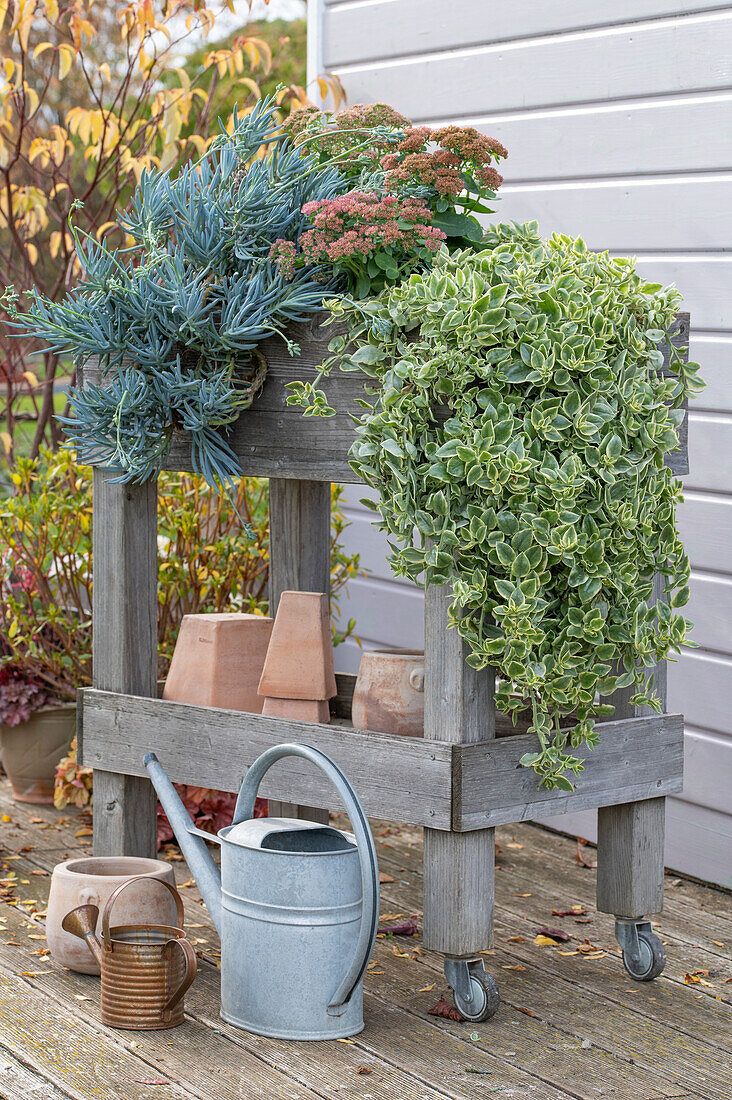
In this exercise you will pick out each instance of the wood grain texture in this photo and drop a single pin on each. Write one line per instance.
(406, 778)
(272, 439)
(125, 605)
(299, 560)
(459, 868)
(630, 841)
(637, 758)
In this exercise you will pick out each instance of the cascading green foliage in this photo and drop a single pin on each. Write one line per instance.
(174, 319)
(517, 442)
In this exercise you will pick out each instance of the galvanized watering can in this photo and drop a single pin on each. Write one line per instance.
(296, 905)
(145, 968)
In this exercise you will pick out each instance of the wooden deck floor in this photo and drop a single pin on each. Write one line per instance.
(571, 1023)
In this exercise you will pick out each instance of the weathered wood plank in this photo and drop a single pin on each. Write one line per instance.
(403, 777)
(125, 605)
(17, 1082)
(630, 858)
(459, 892)
(299, 560)
(272, 439)
(637, 758)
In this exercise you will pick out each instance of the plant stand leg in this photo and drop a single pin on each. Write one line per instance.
(458, 867)
(630, 842)
(299, 561)
(124, 649)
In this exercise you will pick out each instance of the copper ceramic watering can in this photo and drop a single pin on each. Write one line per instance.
(146, 969)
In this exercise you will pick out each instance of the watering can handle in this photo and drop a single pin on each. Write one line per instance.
(366, 849)
(123, 886)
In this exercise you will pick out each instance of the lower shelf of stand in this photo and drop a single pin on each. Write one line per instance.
(432, 783)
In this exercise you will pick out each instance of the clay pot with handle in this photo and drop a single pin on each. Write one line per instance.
(92, 881)
(389, 692)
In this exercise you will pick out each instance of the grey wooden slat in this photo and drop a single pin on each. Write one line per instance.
(459, 867)
(299, 560)
(125, 606)
(637, 758)
(405, 778)
(630, 858)
(272, 439)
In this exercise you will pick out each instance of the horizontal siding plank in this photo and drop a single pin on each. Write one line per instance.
(705, 525)
(710, 452)
(700, 687)
(707, 770)
(386, 613)
(704, 281)
(629, 215)
(391, 28)
(699, 842)
(683, 134)
(714, 354)
(710, 610)
(648, 60)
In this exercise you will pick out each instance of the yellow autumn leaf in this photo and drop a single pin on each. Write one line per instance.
(66, 55)
(31, 378)
(85, 831)
(32, 253)
(545, 941)
(41, 48)
(13, 628)
(7, 442)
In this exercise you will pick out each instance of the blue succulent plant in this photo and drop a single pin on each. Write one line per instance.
(174, 320)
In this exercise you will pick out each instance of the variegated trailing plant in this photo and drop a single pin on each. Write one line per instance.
(516, 438)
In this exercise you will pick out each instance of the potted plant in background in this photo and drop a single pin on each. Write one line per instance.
(213, 557)
(35, 731)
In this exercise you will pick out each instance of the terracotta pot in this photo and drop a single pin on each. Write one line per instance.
(92, 881)
(298, 676)
(218, 661)
(32, 750)
(389, 692)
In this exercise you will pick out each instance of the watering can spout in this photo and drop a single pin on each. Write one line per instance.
(192, 841)
(82, 922)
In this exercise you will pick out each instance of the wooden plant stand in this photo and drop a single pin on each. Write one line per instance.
(459, 781)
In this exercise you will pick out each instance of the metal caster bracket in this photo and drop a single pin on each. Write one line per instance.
(475, 991)
(643, 954)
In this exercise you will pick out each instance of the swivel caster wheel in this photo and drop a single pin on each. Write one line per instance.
(474, 990)
(644, 956)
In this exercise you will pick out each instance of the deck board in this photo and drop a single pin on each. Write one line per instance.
(568, 1027)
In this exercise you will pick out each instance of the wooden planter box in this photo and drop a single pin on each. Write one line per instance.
(459, 781)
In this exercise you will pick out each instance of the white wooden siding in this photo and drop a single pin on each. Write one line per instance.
(618, 122)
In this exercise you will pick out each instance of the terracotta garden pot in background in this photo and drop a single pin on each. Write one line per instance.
(298, 677)
(389, 692)
(91, 881)
(218, 661)
(31, 751)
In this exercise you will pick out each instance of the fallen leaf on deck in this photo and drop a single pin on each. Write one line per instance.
(150, 1081)
(11, 943)
(350, 1042)
(183, 885)
(447, 1011)
(363, 1070)
(385, 878)
(391, 916)
(517, 847)
(696, 978)
(567, 952)
(518, 966)
(39, 872)
(403, 928)
(35, 820)
(717, 943)
(400, 954)
(32, 937)
(85, 831)
(516, 939)
(429, 988)
(6, 819)
(544, 941)
(523, 895)
(574, 911)
(727, 981)
(490, 951)
(527, 1012)
(579, 856)
(583, 920)
(594, 954)
(557, 934)
(42, 951)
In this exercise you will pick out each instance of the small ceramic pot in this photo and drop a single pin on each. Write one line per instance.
(92, 881)
(389, 692)
(218, 661)
(31, 751)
